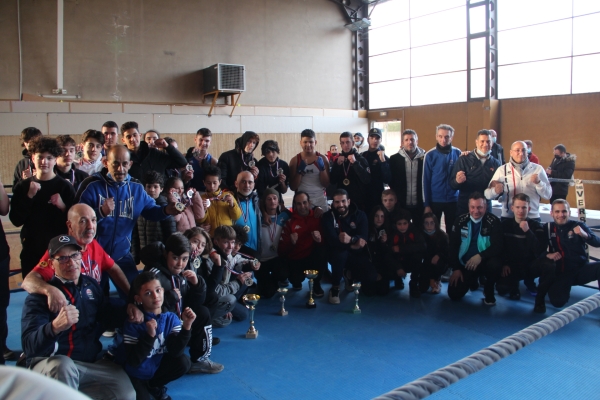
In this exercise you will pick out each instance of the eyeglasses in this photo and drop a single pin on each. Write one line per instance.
(65, 259)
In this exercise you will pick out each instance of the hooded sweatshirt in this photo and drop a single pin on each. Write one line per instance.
(234, 161)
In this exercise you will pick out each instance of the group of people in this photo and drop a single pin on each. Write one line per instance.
(208, 230)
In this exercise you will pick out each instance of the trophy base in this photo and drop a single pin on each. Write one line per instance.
(311, 305)
(356, 311)
(252, 335)
(282, 313)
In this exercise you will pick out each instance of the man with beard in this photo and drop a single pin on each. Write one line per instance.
(562, 167)
(407, 175)
(567, 251)
(473, 172)
(346, 230)
(240, 159)
(118, 200)
(351, 171)
(438, 196)
(301, 244)
(251, 216)
(379, 165)
(309, 171)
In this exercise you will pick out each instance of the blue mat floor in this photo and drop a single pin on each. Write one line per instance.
(331, 353)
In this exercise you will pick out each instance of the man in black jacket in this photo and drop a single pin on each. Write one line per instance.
(407, 175)
(473, 172)
(351, 171)
(525, 239)
(562, 167)
(379, 164)
(497, 149)
(475, 250)
(144, 158)
(239, 159)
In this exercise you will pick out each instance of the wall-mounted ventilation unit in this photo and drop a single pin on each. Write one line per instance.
(225, 78)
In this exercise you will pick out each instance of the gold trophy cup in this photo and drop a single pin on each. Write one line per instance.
(311, 274)
(250, 300)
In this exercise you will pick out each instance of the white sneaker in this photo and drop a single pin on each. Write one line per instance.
(334, 296)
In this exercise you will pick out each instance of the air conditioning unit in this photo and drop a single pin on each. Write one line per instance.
(225, 78)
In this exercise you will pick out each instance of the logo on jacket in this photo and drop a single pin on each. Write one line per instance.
(297, 227)
(570, 234)
(124, 208)
(89, 293)
(352, 225)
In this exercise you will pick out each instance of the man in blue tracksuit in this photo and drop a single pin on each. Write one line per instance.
(438, 196)
(118, 201)
(567, 250)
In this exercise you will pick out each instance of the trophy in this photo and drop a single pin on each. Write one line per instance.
(282, 291)
(356, 287)
(250, 300)
(311, 274)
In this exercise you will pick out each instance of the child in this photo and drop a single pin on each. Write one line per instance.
(152, 353)
(435, 260)
(154, 231)
(407, 246)
(219, 272)
(25, 167)
(222, 209)
(65, 168)
(93, 143)
(378, 236)
(389, 201)
(40, 203)
(194, 210)
(183, 288)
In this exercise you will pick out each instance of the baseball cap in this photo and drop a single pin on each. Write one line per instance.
(61, 241)
(375, 132)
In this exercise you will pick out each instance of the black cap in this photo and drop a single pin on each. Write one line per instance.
(61, 241)
(375, 132)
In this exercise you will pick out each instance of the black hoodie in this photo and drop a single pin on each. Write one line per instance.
(232, 162)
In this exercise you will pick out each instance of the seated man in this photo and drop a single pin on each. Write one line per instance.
(475, 250)
(66, 346)
(300, 246)
(346, 231)
(527, 243)
(567, 250)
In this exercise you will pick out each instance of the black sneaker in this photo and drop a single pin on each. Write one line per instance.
(515, 294)
(9, 355)
(539, 308)
(318, 290)
(159, 393)
(531, 287)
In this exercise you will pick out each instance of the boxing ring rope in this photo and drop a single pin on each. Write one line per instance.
(446, 376)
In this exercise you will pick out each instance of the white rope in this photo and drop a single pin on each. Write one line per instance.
(452, 373)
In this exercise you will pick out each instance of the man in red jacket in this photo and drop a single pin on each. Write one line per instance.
(300, 244)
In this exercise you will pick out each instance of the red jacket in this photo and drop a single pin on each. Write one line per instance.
(303, 226)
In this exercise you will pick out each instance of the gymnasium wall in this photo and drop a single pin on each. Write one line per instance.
(297, 53)
(571, 120)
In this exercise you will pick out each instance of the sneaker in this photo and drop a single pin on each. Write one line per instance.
(206, 366)
(9, 355)
(531, 287)
(283, 284)
(109, 333)
(318, 290)
(515, 294)
(436, 286)
(334, 296)
(398, 284)
(215, 341)
(489, 300)
(446, 275)
(159, 393)
(297, 286)
(539, 308)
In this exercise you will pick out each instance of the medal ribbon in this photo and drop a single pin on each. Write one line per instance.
(180, 301)
(276, 168)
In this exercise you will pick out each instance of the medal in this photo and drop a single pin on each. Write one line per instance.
(255, 262)
(79, 154)
(251, 164)
(246, 228)
(189, 167)
(179, 206)
(381, 233)
(176, 196)
(190, 194)
(279, 171)
(273, 249)
(346, 182)
(196, 263)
